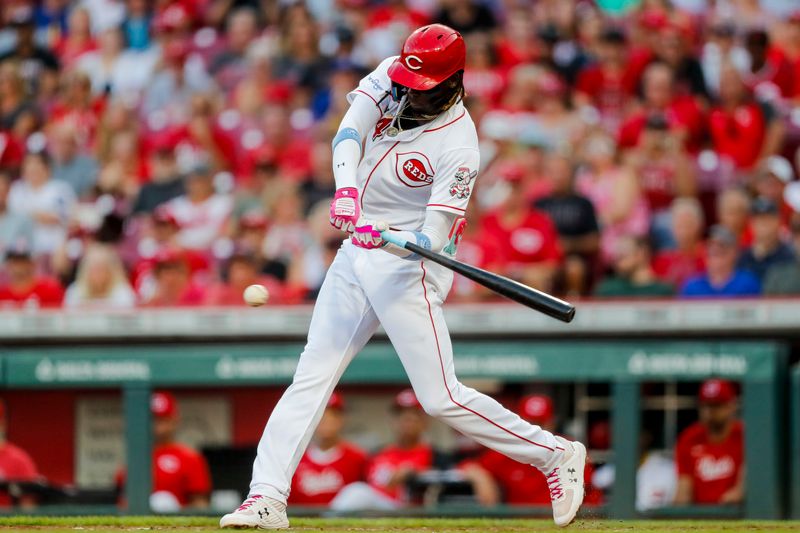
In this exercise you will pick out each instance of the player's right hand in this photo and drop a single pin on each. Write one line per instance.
(345, 210)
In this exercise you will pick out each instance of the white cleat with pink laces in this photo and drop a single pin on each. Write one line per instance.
(565, 482)
(257, 512)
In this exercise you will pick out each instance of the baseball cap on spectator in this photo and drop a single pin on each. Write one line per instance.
(162, 142)
(336, 401)
(163, 405)
(722, 235)
(174, 17)
(652, 19)
(724, 29)
(177, 50)
(20, 249)
(406, 399)
(548, 33)
(253, 220)
(763, 206)
(717, 391)
(536, 408)
(779, 167)
(163, 215)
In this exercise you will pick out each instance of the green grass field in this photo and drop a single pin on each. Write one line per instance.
(370, 525)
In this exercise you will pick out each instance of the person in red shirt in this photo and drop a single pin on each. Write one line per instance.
(740, 127)
(181, 477)
(614, 79)
(173, 282)
(242, 270)
(330, 463)
(24, 287)
(681, 112)
(526, 238)
(15, 465)
(497, 478)
(770, 74)
(390, 470)
(687, 259)
(710, 453)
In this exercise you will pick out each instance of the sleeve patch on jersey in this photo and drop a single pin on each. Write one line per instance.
(461, 186)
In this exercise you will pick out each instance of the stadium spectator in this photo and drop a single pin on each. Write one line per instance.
(784, 279)
(525, 237)
(615, 193)
(733, 212)
(710, 452)
(720, 49)
(768, 248)
(49, 203)
(39, 65)
(465, 16)
(173, 281)
(101, 281)
(575, 221)
(771, 181)
(741, 128)
(672, 47)
(166, 181)
(18, 113)
(136, 26)
(687, 259)
(78, 38)
(330, 462)
(15, 228)
(390, 470)
(679, 114)
(613, 80)
(24, 287)
(241, 270)
(722, 278)
(15, 465)
(111, 68)
(181, 479)
(496, 478)
(201, 213)
(230, 66)
(633, 275)
(69, 165)
(769, 73)
(665, 172)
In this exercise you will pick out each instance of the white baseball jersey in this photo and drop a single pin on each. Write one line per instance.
(402, 174)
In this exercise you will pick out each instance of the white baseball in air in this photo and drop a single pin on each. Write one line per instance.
(256, 295)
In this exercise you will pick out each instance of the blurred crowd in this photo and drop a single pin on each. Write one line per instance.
(172, 152)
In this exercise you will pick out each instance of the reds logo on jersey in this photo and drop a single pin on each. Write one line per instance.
(413, 169)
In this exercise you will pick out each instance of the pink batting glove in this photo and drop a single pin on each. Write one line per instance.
(368, 234)
(345, 210)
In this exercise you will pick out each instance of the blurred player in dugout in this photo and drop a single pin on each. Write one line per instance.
(709, 454)
(181, 477)
(496, 478)
(15, 466)
(390, 470)
(330, 463)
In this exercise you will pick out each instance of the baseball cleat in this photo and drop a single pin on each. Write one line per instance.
(257, 512)
(565, 482)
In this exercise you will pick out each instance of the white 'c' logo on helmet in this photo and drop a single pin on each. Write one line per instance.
(413, 67)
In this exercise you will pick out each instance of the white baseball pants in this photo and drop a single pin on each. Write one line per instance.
(362, 289)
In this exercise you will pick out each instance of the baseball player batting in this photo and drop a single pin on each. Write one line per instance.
(405, 159)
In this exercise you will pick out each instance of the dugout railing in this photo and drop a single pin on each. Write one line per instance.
(760, 366)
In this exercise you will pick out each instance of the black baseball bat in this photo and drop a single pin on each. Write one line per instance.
(513, 290)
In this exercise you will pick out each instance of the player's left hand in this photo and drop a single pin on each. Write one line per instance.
(368, 233)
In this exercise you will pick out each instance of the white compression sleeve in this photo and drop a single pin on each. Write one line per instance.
(433, 235)
(355, 126)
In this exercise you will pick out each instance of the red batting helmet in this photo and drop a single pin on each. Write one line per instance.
(430, 55)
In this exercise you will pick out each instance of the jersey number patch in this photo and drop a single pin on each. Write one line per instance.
(413, 169)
